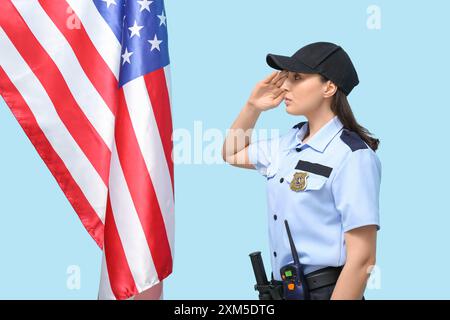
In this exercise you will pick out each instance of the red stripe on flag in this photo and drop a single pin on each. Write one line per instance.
(159, 97)
(120, 277)
(142, 191)
(51, 78)
(28, 122)
(89, 58)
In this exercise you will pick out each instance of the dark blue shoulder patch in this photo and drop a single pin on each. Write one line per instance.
(353, 140)
(299, 125)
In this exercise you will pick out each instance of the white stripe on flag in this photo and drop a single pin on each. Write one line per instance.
(146, 129)
(105, 292)
(54, 43)
(48, 120)
(130, 229)
(99, 32)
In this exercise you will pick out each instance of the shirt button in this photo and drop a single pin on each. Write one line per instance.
(274, 217)
(298, 149)
(281, 180)
(275, 254)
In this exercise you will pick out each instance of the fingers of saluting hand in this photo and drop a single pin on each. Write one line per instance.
(275, 77)
(279, 97)
(277, 92)
(271, 77)
(281, 79)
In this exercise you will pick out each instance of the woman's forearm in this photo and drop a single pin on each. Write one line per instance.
(352, 281)
(239, 135)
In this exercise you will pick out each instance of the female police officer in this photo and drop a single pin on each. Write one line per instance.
(323, 175)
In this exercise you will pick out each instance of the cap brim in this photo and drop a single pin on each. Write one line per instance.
(287, 63)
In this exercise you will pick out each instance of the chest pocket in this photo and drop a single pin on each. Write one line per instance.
(304, 181)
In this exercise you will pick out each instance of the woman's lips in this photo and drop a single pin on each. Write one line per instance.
(287, 101)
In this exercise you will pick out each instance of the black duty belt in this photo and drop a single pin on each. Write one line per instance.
(319, 278)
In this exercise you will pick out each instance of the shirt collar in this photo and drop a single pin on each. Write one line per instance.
(321, 139)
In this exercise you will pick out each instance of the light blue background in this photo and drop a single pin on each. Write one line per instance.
(218, 53)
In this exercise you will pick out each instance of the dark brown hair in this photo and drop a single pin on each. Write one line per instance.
(341, 107)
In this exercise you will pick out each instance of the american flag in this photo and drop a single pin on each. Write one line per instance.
(89, 82)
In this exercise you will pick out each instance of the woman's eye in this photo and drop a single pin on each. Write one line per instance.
(297, 77)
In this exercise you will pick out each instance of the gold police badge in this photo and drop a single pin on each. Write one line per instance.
(298, 182)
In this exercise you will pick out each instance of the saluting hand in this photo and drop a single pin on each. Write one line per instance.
(267, 93)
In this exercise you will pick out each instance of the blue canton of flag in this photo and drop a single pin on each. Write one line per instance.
(141, 28)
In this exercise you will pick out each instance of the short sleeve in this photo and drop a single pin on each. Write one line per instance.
(263, 154)
(356, 189)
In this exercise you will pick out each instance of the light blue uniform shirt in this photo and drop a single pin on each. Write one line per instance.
(341, 192)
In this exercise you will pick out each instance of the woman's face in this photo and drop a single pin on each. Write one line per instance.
(304, 93)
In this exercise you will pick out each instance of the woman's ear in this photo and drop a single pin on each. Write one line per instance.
(330, 89)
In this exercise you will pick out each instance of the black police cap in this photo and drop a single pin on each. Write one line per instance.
(325, 58)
